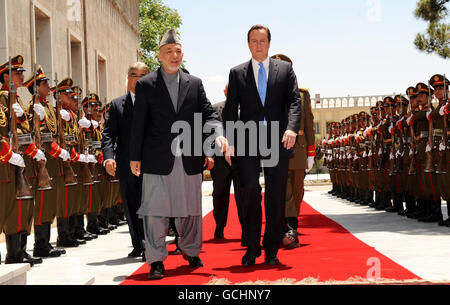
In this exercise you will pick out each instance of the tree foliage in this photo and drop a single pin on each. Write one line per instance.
(155, 19)
(436, 39)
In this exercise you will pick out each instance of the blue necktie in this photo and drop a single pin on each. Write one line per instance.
(262, 84)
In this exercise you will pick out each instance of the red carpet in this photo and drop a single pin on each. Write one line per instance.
(328, 252)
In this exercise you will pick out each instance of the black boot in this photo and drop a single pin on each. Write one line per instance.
(77, 222)
(382, 202)
(436, 212)
(410, 204)
(14, 253)
(27, 258)
(387, 200)
(65, 238)
(397, 205)
(427, 210)
(59, 251)
(41, 242)
(376, 201)
(420, 210)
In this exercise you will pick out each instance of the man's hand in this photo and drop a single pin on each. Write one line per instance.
(136, 168)
(209, 163)
(226, 149)
(111, 166)
(289, 139)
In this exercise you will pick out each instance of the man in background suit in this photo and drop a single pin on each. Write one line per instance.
(266, 91)
(115, 145)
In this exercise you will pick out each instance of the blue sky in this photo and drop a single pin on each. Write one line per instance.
(339, 48)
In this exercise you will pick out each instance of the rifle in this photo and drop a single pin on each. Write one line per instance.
(23, 187)
(44, 182)
(443, 146)
(85, 171)
(381, 133)
(400, 150)
(392, 152)
(70, 179)
(429, 165)
(412, 147)
(370, 153)
(90, 147)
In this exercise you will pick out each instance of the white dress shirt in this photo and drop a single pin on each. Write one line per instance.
(255, 65)
(133, 97)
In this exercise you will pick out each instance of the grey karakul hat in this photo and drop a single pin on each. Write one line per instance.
(170, 37)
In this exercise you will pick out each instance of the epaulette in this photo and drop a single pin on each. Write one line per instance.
(304, 90)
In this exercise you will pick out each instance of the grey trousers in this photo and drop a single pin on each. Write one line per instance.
(155, 230)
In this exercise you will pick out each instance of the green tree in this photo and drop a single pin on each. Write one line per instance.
(436, 39)
(155, 19)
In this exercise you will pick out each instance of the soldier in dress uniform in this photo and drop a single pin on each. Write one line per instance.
(440, 119)
(86, 164)
(18, 210)
(72, 193)
(429, 203)
(46, 199)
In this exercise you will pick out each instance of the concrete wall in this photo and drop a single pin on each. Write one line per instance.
(48, 31)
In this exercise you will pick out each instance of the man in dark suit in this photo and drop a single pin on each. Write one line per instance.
(116, 152)
(266, 92)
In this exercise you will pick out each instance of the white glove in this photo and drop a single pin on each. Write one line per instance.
(441, 147)
(40, 156)
(94, 124)
(91, 159)
(18, 110)
(391, 156)
(428, 149)
(84, 123)
(310, 164)
(365, 155)
(83, 159)
(65, 115)
(17, 160)
(39, 109)
(64, 155)
(441, 111)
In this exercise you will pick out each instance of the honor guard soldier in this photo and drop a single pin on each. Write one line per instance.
(429, 203)
(440, 119)
(405, 157)
(395, 162)
(49, 183)
(17, 198)
(68, 129)
(86, 167)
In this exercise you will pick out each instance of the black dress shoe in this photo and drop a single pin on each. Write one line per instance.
(46, 253)
(444, 223)
(135, 253)
(67, 243)
(157, 271)
(271, 260)
(194, 261)
(27, 258)
(249, 258)
(218, 234)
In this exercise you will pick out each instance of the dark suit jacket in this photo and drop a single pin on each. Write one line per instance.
(283, 102)
(154, 116)
(116, 135)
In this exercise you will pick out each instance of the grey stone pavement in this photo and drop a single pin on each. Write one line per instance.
(424, 249)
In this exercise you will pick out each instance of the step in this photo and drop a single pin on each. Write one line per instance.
(14, 274)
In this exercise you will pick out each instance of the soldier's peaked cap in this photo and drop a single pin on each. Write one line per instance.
(438, 80)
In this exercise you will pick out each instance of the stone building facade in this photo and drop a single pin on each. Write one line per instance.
(91, 41)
